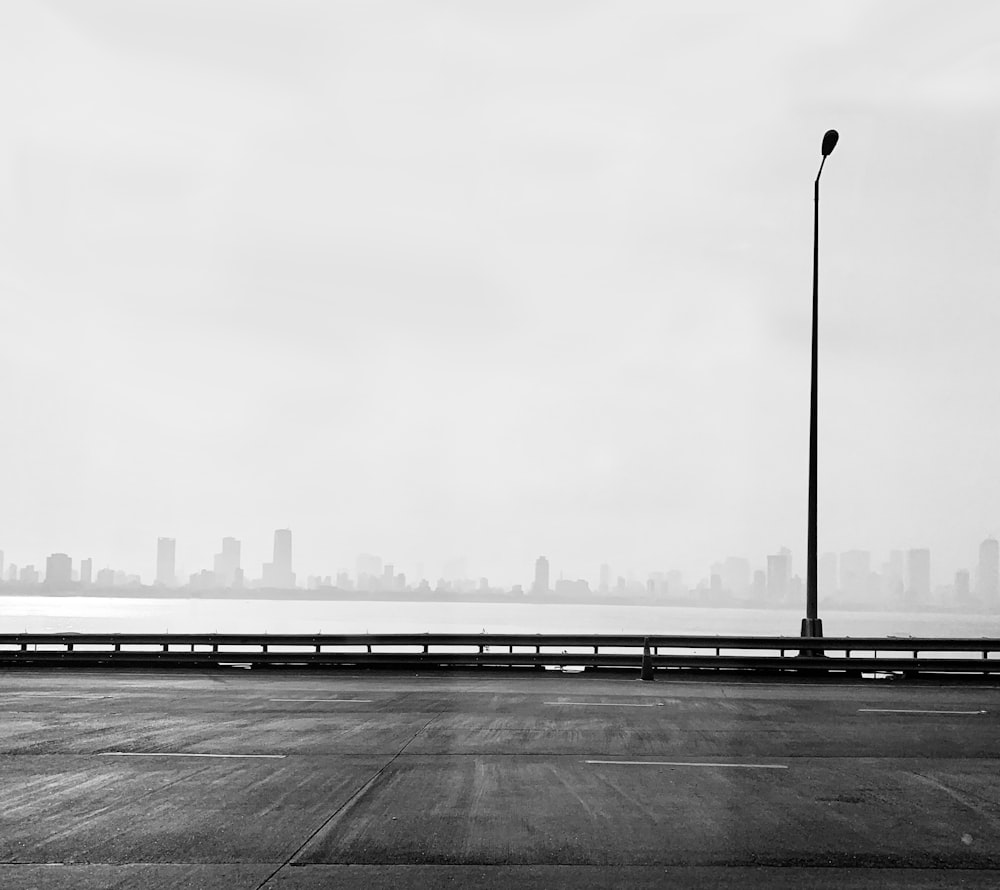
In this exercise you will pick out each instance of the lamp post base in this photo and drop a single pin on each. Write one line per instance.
(812, 627)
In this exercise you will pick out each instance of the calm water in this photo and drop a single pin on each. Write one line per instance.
(120, 615)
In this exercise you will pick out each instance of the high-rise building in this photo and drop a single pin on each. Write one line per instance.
(1, 565)
(855, 571)
(779, 573)
(105, 577)
(893, 576)
(826, 574)
(918, 574)
(58, 570)
(962, 586)
(604, 585)
(541, 583)
(28, 575)
(736, 576)
(988, 574)
(369, 571)
(278, 573)
(86, 571)
(227, 564)
(166, 572)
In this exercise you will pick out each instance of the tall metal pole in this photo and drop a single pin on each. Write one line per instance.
(812, 625)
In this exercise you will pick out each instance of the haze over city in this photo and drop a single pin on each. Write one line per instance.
(854, 580)
(495, 280)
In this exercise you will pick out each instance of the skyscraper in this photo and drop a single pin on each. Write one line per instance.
(962, 588)
(227, 564)
(369, 571)
(604, 585)
(988, 575)
(826, 574)
(779, 571)
(855, 572)
(278, 573)
(736, 576)
(166, 573)
(58, 570)
(86, 571)
(918, 574)
(541, 583)
(28, 575)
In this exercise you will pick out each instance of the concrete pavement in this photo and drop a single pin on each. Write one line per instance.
(252, 779)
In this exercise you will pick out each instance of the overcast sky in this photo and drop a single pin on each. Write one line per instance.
(496, 279)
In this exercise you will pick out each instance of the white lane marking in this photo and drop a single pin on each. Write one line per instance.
(182, 754)
(606, 704)
(57, 694)
(359, 700)
(685, 763)
(911, 711)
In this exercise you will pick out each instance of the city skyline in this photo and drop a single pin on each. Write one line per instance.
(905, 577)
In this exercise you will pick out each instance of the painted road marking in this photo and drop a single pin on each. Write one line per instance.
(684, 763)
(359, 700)
(182, 754)
(606, 704)
(57, 694)
(910, 711)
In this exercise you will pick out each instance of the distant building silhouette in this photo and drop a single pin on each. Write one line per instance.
(604, 584)
(226, 565)
(918, 575)
(166, 570)
(962, 587)
(736, 576)
(826, 575)
(988, 575)
(572, 589)
(86, 571)
(58, 570)
(369, 571)
(893, 577)
(28, 575)
(715, 585)
(1, 565)
(779, 573)
(541, 582)
(278, 573)
(855, 571)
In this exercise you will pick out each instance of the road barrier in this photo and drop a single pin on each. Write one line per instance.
(855, 655)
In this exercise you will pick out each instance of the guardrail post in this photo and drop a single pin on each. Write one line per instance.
(647, 662)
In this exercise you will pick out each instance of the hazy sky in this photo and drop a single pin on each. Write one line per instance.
(496, 279)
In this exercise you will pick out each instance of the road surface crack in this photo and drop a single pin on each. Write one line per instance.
(347, 804)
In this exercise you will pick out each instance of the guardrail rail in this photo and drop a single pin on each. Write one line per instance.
(652, 654)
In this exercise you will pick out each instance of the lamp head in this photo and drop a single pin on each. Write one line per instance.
(830, 138)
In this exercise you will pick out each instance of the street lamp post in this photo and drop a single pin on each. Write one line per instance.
(812, 626)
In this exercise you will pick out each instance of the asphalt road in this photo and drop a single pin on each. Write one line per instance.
(247, 779)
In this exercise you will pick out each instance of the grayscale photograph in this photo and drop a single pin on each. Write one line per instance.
(499, 444)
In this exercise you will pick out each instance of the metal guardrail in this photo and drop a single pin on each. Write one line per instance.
(855, 655)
